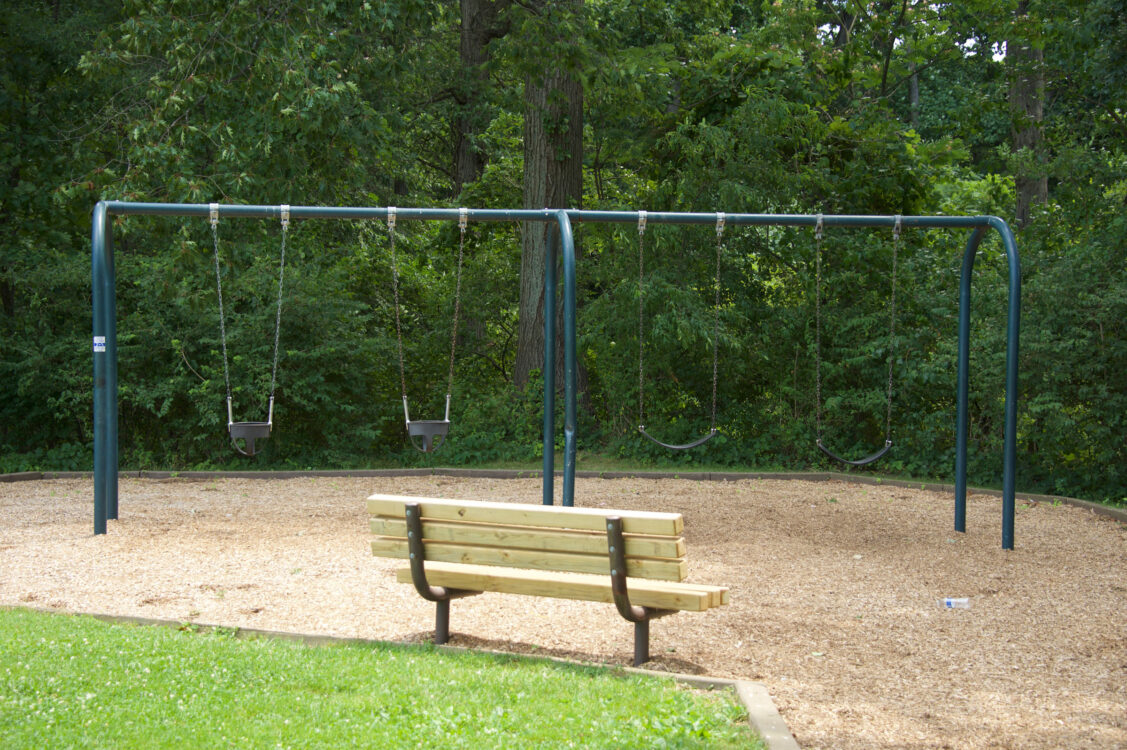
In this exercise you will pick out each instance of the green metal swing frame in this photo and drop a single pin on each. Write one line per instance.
(561, 246)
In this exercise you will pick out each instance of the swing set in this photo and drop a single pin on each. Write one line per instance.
(248, 432)
(713, 430)
(427, 435)
(561, 252)
(873, 457)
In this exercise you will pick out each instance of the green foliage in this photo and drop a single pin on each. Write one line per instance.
(66, 680)
(233, 101)
(500, 426)
(721, 105)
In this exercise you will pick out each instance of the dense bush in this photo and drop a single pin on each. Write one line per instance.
(740, 107)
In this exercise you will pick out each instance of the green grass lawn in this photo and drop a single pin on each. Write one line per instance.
(70, 681)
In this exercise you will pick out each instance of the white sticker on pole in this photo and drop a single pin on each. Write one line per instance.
(99, 343)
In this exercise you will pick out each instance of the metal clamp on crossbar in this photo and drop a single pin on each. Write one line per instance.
(719, 223)
(641, 222)
(463, 218)
(818, 226)
(285, 211)
(391, 218)
(640, 616)
(896, 227)
(213, 213)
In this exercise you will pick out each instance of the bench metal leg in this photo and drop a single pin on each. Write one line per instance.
(641, 642)
(441, 621)
(640, 616)
(440, 595)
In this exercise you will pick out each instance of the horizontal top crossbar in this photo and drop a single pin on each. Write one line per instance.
(226, 210)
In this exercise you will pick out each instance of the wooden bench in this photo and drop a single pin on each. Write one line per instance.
(457, 548)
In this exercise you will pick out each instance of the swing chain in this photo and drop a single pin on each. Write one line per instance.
(463, 220)
(720, 222)
(896, 231)
(641, 321)
(213, 218)
(213, 215)
(818, 327)
(716, 318)
(395, 292)
(892, 328)
(285, 211)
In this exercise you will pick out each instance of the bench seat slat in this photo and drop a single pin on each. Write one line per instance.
(666, 570)
(523, 537)
(657, 595)
(523, 514)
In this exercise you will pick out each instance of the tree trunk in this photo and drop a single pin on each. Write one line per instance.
(480, 26)
(914, 98)
(553, 170)
(1026, 58)
(7, 298)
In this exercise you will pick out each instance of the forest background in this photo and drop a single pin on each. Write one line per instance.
(1008, 108)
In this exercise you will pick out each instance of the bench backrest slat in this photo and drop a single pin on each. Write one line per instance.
(590, 519)
(519, 537)
(662, 570)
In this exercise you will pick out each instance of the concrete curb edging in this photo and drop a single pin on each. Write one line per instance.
(762, 714)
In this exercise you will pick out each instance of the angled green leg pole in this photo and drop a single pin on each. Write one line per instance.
(550, 367)
(105, 368)
(109, 301)
(1009, 451)
(1013, 328)
(567, 243)
(963, 387)
(98, 239)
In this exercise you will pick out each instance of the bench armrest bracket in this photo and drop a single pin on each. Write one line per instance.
(440, 595)
(640, 616)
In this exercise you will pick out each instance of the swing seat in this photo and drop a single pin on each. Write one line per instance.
(428, 435)
(859, 462)
(684, 447)
(248, 432)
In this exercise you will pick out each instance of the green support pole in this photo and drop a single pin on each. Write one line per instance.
(549, 448)
(1009, 450)
(963, 380)
(98, 235)
(1013, 340)
(567, 242)
(109, 301)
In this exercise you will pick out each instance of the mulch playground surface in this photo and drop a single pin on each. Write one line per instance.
(834, 604)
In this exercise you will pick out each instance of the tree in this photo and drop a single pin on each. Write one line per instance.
(482, 21)
(553, 155)
(1026, 56)
(44, 262)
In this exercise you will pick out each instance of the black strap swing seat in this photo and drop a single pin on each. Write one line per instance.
(427, 435)
(876, 456)
(684, 446)
(712, 431)
(249, 432)
(859, 462)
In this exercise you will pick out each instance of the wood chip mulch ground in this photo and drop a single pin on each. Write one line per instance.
(835, 590)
